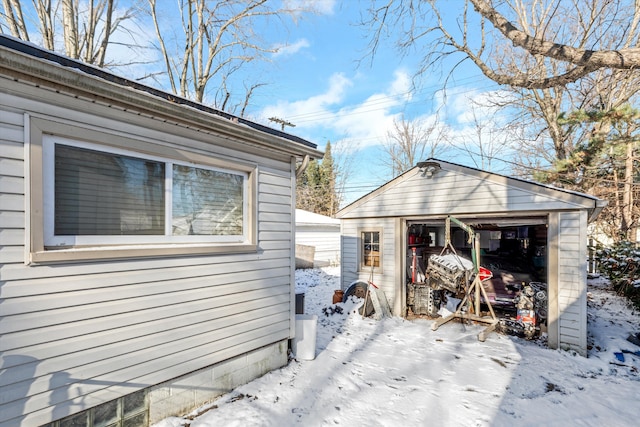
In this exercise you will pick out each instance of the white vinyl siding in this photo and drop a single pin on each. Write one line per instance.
(325, 240)
(322, 233)
(350, 267)
(348, 253)
(456, 193)
(134, 324)
(12, 187)
(572, 280)
(78, 334)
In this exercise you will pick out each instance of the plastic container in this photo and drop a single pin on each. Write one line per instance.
(300, 303)
(337, 296)
(304, 343)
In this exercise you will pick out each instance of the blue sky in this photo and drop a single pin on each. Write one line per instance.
(322, 81)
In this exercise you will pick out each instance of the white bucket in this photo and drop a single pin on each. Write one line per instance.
(304, 343)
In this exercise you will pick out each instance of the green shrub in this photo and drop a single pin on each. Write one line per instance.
(621, 263)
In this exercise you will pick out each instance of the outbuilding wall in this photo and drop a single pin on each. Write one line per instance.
(457, 190)
(74, 335)
(350, 269)
(320, 232)
(568, 261)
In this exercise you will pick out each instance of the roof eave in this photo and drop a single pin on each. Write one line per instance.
(131, 95)
(599, 205)
(584, 201)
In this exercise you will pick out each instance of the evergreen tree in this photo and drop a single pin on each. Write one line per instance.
(316, 187)
(605, 165)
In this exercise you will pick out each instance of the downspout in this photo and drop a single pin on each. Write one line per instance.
(292, 255)
(303, 166)
(299, 170)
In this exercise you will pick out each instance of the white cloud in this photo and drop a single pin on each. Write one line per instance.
(313, 111)
(290, 49)
(331, 116)
(369, 122)
(355, 127)
(324, 7)
(401, 86)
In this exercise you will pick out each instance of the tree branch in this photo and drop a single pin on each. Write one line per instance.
(625, 58)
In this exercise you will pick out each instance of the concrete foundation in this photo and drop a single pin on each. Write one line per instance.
(184, 394)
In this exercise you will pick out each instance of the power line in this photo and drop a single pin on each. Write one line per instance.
(368, 106)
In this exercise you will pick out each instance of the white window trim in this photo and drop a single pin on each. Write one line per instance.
(41, 130)
(51, 240)
(361, 266)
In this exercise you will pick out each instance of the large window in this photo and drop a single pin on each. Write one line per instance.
(97, 196)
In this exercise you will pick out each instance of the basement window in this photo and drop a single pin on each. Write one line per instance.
(127, 411)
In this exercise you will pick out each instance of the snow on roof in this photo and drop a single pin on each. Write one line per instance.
(306, 217)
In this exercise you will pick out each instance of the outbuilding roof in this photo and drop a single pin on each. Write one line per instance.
(437, 187)
(310, 218)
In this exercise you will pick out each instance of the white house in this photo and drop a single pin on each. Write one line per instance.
(317, 239)
(146, 246)
(536, 231)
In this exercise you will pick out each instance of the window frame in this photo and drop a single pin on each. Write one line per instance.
(42, 135)
(362, 265)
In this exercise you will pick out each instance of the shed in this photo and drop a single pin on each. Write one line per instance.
(528, 232)
(317, 239)
(146, 246)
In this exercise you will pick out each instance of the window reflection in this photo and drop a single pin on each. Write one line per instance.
(206, 202)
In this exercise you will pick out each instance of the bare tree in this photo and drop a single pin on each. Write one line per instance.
(86, 26)
(583, 60)
(546, 81)
(218, 39)
(603, 89)
(409, 142)
(486, 137)
(565, 32)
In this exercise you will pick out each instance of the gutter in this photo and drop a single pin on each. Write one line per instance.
(26, 62)
(598, 206)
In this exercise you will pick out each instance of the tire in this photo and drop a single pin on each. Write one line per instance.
(359, 290)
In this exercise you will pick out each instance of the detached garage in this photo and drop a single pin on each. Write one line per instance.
(526, 233)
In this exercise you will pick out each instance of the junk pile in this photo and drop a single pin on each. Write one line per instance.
(531, 311)
(450, 277)
(445, 275)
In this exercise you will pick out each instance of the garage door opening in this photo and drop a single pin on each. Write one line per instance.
(513, 250)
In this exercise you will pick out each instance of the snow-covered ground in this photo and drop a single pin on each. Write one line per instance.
(396, 372)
